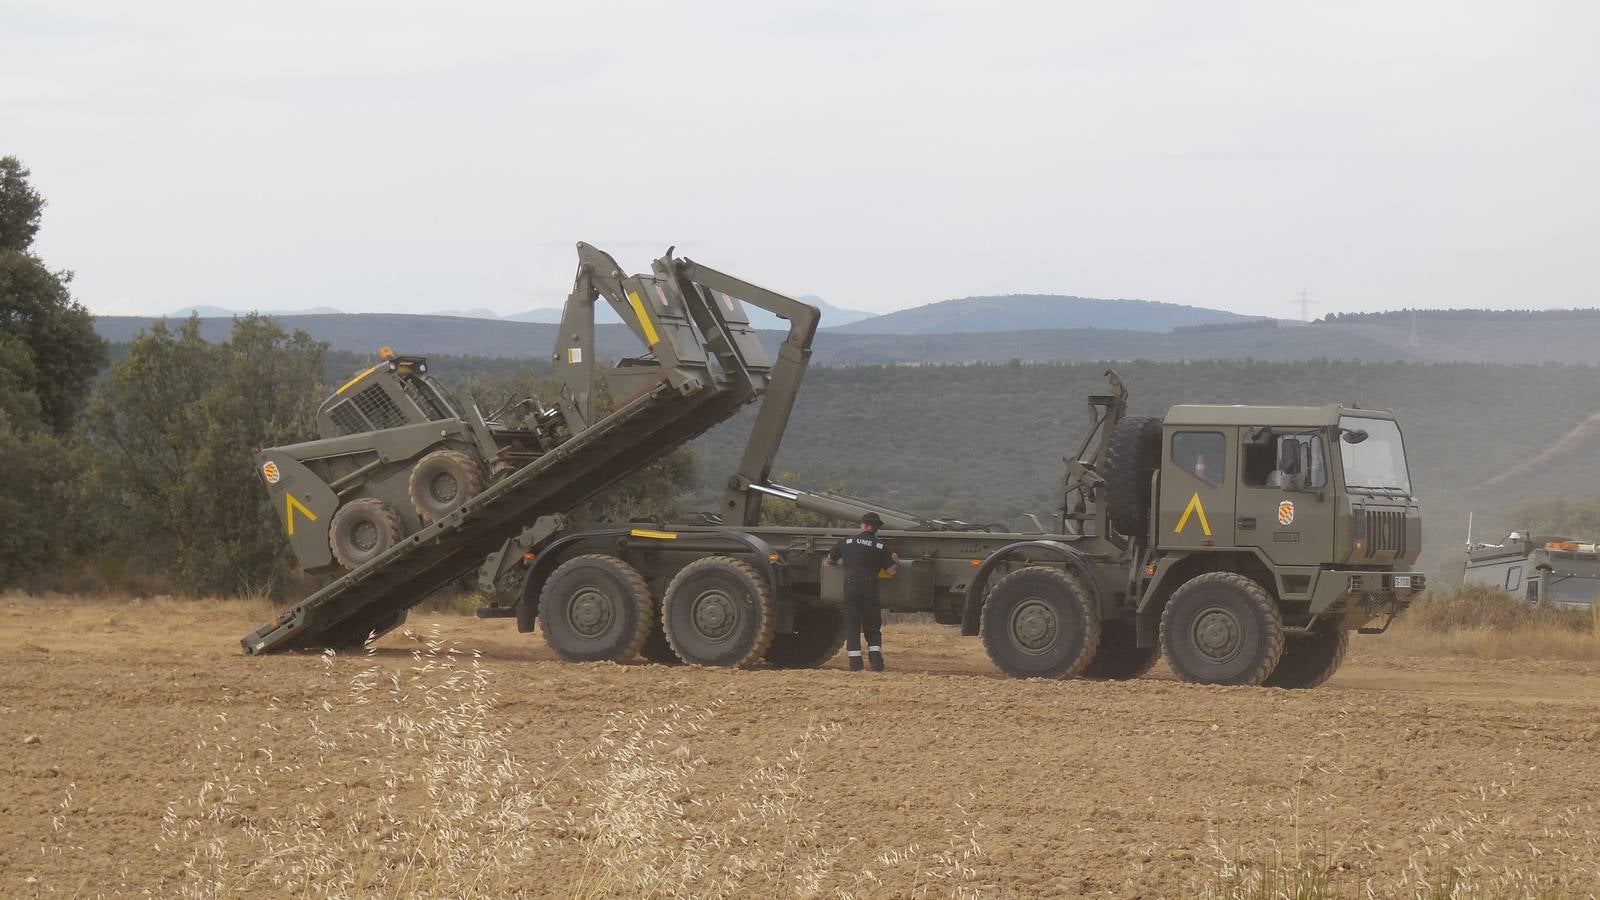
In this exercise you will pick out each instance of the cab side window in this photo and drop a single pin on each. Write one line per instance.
(1513, 578)
(1202, 454)
(1264, 461)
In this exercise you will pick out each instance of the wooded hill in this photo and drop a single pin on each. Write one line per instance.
(1568, 336)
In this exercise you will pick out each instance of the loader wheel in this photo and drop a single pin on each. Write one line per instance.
(1309, 660)
(593, 608)
(718, 612)
(1131, 458)
(363, 529)
(1222, 628)
(818, 635)
(442, 481)
(1119, 657)
(1040, 623)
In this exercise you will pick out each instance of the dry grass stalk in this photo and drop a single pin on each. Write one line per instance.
(458, 814)
(1481, 622)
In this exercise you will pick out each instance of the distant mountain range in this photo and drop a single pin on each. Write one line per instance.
(1480, 336)
(968, 315)
(1028, 312)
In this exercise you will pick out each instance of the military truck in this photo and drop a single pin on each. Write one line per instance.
(1245, 543)
(1538, 570)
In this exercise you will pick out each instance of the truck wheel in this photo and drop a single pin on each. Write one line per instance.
(1222, 628)
(1039, 623)
(718, 612)
(1131, 458)
(595, 607)
(1119, 657)
(1309, 660)
(442, 481)
(361, 530)
(818, 635)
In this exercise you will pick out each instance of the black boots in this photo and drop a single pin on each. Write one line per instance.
(874, 655)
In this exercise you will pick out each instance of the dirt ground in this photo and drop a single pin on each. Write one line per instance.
(1072, 788)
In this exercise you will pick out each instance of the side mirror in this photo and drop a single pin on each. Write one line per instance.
(1289, 456)
(1352, 435)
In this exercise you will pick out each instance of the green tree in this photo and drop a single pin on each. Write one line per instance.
(171, 431)
(20, 206)
(37, 309)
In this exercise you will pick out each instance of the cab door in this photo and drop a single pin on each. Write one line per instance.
(1197, 486)
(1283, 495)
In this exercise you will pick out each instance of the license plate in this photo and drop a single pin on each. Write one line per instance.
(1402, 582)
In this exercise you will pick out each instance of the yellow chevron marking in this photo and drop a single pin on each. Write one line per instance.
(1193, 508)
(290, 504)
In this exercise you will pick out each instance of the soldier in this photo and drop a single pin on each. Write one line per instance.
(863, 555)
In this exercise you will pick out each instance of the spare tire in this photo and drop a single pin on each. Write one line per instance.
(1134, 454)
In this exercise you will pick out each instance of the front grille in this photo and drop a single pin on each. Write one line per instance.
(347, 420)
(374, 403)
(1386, 531)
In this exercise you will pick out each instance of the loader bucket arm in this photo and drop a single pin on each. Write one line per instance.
(672, 348)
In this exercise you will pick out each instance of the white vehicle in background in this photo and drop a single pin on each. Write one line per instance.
(1538, 570)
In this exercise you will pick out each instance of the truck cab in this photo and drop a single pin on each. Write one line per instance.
(1318, 499)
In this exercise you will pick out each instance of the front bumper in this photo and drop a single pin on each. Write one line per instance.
(1357, 597)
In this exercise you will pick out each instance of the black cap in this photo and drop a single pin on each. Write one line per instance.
(873, 519)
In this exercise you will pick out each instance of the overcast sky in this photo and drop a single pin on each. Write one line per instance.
(411, 157)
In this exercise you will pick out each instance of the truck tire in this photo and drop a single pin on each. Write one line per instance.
(594, 608)
(817, 638)
(1222, 628)
(1309, 660)
(717, 611)
(442, 481)
(1119, 657)
(1131, 458)
(1040, 623)
(363, 529)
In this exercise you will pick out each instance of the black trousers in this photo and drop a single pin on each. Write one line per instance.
(861, 613)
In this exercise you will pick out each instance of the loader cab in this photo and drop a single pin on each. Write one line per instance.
(397, 391)
(1299, 486)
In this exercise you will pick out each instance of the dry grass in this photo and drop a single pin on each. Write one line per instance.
(459, 813)
(1474, 852)
(1480, 622)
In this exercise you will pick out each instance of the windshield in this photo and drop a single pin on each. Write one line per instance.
(1572, 589)
(1377, 462)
